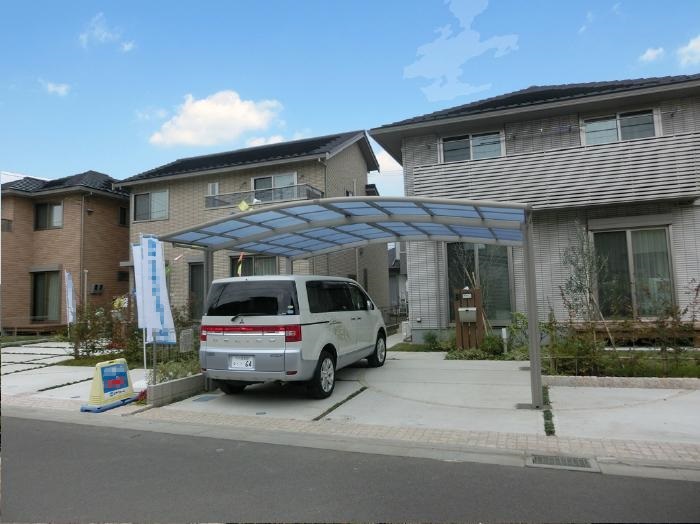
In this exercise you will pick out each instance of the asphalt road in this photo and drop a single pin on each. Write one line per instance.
(64, 472)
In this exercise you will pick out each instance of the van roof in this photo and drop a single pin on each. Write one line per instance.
(297, 278)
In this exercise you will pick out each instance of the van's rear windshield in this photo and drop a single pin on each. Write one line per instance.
(253, 298)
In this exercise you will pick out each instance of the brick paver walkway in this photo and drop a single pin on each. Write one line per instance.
(687, 454)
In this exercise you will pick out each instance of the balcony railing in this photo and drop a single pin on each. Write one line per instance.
(664, 167)
(264, 196)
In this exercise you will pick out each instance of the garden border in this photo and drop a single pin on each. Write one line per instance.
(622, 382)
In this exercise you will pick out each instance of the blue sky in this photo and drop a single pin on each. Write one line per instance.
(122, 87)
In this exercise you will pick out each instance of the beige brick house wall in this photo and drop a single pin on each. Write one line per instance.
(186, 200)
(25, 250)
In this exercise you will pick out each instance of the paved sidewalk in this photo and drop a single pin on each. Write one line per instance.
(678, 454)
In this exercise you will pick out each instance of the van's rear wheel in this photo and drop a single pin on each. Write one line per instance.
(377, 359)
(231, 388)
(323, 382)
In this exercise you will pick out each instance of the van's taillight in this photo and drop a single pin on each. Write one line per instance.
(292, 333)
(203, 336)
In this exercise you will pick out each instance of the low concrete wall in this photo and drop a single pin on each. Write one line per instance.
(622, 382)
(169, 392)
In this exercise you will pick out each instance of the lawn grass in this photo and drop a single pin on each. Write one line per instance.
(9, 340)
(91, 360)
(407, 346)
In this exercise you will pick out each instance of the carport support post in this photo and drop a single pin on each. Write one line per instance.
(207, 274)
(533, 326)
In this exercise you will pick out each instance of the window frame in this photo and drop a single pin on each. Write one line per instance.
(36, 319)
(150, 206)
(583, 120)
(49, 214)
(6, 226)
(123, 212)
(233, 263)
(630, 261)
(469, 136)
(216, 187)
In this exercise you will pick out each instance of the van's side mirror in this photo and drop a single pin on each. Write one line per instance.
(370, 305)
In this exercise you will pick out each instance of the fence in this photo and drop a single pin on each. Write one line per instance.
(393, 316)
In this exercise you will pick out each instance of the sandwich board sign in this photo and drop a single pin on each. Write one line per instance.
(111, 387)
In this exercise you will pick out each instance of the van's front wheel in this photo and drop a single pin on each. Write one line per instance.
(377, 359)
(323, 382)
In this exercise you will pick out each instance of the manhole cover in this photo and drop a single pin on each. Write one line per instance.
(562, 462)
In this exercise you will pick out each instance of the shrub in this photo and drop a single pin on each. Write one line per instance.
(166, 371)
(492, 345)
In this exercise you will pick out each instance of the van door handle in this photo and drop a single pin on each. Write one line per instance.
(334, 322)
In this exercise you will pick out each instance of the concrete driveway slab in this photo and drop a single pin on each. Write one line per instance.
(666, 415)
(269, 400)
(36, 350)
(33, 380)
(33, 359)
(420, 390)
(13, 368)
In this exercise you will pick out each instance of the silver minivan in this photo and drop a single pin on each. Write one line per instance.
(292, 328)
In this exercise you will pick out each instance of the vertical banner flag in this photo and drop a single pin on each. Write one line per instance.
(156, 304)
(70, 298)
(138, 281)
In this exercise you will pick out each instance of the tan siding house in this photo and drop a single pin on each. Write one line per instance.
(195, 190)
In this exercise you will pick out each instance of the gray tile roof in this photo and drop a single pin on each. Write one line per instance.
(250, 156)
(542, 94)
(87, 180)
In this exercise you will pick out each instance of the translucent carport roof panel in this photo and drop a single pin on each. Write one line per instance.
(304, 228)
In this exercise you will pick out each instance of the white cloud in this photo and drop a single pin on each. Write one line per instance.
(387, 164)
(98, 32)
(264, 140)
(441, 61)
(651, 54)
(589, 20)
(221, 117)
(128, 46)
(151, 113)
(53, 88)
(689, 54)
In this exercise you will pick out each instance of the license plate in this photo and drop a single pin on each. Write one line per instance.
(241, 362)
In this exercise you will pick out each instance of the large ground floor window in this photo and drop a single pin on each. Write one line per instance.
(636, 277)
(485, 266)
(254, 266)
(46, 296)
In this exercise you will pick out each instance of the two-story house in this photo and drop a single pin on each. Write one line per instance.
(77, 224)
(615, 162)
(195, 190)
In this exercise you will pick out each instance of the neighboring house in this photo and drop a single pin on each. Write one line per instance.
(77, 224)
(616, 162)
(195, 190)
(397, 276)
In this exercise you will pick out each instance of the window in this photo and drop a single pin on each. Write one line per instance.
(328, 296)
(46, 295)
(477, 147)
(635, 280)
(254, 266)
(253, 298)
(151, 206)
(123, 217)
(6, 225)
(487, 266)
(212, 188)
(359, 299)
(274, 187)
(624, 126)
(122, 276)
(48, 216)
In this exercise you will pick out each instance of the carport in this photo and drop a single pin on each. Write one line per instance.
(302, 229)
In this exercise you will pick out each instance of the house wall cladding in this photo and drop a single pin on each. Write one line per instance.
(552, 172)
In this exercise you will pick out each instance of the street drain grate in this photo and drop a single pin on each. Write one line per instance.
(562, 462)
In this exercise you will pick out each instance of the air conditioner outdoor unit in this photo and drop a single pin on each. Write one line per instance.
(96, 289)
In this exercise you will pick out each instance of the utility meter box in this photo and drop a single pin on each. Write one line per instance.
(467, 314)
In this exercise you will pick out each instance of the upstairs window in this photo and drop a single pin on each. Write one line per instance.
(476, 147)
(623, 126)
(6, 225)
(212, 188)
(123, 217)
(48, 216)
(151, 206)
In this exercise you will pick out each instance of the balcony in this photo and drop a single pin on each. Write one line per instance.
(657, 168)
(263, 196)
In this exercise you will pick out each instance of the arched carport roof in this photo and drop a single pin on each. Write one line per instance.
(301, 229)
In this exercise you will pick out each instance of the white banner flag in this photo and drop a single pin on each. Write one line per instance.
(70, 298)
(156, 304)
(138, 281)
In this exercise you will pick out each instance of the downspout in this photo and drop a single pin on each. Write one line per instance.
(325, 194)
(83, 280)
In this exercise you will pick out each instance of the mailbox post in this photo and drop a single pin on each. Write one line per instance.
(469, 318)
